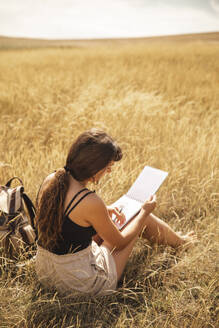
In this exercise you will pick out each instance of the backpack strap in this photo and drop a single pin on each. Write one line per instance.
(8, 184)
(30, 208)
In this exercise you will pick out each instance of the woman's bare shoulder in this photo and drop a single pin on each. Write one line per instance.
(47, 180)
(90, 204)
(45, 184)
(94, 200)
(87, 209)
(94, 205)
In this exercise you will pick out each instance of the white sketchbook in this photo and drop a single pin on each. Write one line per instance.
(146, 184)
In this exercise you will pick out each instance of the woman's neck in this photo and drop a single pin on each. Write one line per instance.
(81, 183)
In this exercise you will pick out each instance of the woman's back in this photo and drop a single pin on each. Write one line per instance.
(76, 233)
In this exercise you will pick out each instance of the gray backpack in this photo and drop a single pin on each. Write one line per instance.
(17, 213)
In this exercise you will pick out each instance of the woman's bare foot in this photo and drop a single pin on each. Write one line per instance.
(187, 240)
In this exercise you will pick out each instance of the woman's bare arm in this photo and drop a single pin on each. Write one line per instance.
(99, 218)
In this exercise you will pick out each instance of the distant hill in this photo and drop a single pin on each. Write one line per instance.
(23, 43)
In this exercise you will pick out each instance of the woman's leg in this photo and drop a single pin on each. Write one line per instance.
(157, 231)
(121, 256)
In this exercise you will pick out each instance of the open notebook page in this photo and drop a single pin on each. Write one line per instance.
(147, 183)
(144, 186)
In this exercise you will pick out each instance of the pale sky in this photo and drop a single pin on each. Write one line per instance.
(79, 19)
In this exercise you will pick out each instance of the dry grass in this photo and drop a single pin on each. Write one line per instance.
(161, 102)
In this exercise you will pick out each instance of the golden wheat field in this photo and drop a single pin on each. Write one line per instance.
(160, 101)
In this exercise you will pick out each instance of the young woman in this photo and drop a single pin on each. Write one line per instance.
(70, 217)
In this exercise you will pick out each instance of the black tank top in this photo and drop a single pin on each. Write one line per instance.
(74, 237)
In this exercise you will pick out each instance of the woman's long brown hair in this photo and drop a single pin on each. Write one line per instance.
(91, 152)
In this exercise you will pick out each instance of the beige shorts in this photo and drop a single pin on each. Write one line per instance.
(90, 271)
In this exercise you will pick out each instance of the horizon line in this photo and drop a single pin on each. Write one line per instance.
(107, 38)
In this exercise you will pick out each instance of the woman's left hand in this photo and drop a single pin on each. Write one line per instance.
(119, 216)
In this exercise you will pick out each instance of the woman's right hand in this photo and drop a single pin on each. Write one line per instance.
(149, 205)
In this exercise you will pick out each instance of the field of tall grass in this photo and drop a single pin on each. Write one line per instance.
(160, 101)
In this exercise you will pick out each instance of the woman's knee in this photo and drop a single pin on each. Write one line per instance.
(154, 229)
